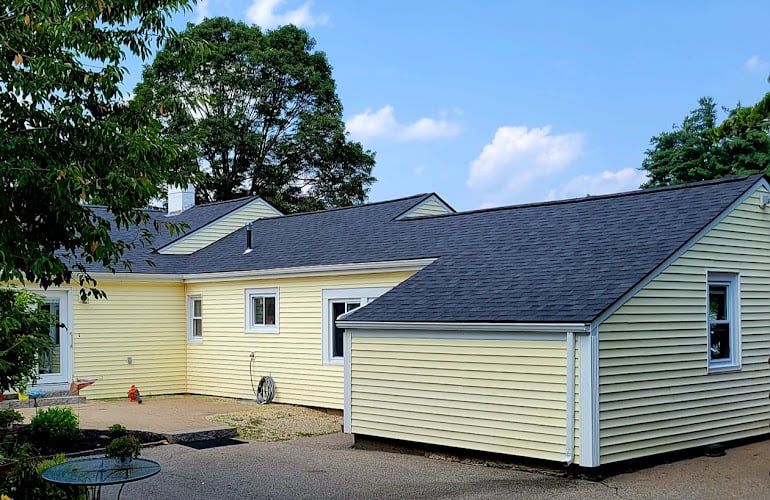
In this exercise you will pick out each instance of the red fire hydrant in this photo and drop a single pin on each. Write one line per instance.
(133, 395)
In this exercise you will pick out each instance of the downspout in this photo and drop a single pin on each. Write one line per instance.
(569, 454)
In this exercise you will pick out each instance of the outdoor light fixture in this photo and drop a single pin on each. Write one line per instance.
(764, 200)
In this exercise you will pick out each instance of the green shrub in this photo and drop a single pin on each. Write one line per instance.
(116, 431)
(9, 416)
(26, 483)
(54, 424)
(124, 447)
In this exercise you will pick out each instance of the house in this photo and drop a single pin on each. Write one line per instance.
(587, 331)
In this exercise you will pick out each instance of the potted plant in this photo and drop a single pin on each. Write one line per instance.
(124, 449)
(9, 417)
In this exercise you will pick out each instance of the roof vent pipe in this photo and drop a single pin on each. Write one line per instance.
(248, 238)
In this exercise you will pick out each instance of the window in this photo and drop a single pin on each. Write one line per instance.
(194, 318)
(723, 322)
(262, 310)
(337, 302)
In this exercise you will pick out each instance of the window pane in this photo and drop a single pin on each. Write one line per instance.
(351, 305)
(269, 310)
(197, 308)
(338, 309)
(717, 302)
(719, 341)
(50, 362)
(258, 308)
(197, 328)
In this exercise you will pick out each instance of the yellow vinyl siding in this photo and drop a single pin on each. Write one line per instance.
(220, 228)
(655, 392)
(499, 396)
(145, 321)
(431, 206)
(219, 365)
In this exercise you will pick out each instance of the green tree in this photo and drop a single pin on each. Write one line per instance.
(702, 149)
(67, 137)
(744, 138)
(25, 328)
(261, 109)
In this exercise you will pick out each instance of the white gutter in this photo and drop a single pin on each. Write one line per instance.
(117, 276)
(569, 454)
(467, 327)
(283, 272)
(301, 271)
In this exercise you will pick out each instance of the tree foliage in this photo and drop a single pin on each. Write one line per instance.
(261, 110)
(67, 137)
(702, 149)
(24, 337)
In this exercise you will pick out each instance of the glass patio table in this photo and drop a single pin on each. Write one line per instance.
(93, 473)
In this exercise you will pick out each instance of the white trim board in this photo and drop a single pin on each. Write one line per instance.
(435, 327)
(286, 272)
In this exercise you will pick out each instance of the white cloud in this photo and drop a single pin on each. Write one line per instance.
(201, 10)
(627, 179)
(517, 156)
(382, 123)
(263, 13)
(757, 65)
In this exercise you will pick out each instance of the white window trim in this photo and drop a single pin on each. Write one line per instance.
(732, 281)
(248, 293)
(191, 317)
(362, 295)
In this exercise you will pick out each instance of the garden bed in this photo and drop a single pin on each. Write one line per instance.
(85, 442)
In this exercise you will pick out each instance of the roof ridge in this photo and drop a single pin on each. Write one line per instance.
(349, 207)
(622, 194)
(223, 202)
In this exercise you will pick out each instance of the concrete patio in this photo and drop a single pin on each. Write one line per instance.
(329, 466)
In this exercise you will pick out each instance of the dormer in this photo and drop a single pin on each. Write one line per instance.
(220, 227)
(430, 206)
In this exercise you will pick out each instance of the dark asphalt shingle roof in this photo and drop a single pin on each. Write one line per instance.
(551, 262)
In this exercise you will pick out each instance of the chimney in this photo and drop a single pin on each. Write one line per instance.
(248, 238)
(180, 199)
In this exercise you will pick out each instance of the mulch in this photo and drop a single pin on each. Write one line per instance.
(87, 441)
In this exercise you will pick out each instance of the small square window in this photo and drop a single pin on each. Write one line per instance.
(194, 317)
(261, 310)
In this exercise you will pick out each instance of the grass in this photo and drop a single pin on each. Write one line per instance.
(278, 422)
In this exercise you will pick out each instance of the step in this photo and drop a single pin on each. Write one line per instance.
(200, 434)
(56, 399)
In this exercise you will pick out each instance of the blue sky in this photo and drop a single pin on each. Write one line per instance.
(493, 103)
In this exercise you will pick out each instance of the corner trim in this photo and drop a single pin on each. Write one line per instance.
(347, 416)
(588, 368)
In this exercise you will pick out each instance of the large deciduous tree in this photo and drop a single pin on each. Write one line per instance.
(67, 138)
(702, 149)
(261, 109)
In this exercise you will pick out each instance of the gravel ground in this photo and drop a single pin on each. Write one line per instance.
(279, 422)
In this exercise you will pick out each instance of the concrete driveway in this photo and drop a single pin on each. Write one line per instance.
(328, 467)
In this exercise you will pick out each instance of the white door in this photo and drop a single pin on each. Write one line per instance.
(55, 368)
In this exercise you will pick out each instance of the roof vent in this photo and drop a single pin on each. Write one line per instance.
(248, 238)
